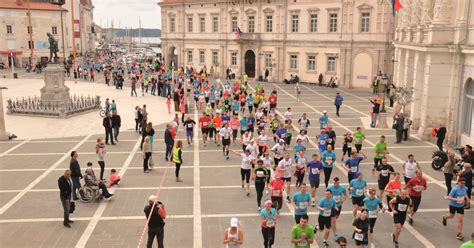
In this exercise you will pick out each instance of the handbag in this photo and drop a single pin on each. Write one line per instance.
(394, 125)
(151, 164)
(72, 207)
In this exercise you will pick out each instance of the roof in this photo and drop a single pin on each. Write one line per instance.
(171, 1)
(33, 6)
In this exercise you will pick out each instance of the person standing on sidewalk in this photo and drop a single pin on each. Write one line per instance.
(398, 125)
(76, 174)
(169, 141)
(100, 151)
(440, 134)
(108, 126)
(134, 87)
(178, 158)
(156, 212)
(338, 102)
(65, 189)
(116, 123)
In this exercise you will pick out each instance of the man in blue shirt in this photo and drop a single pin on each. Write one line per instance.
(250, 103)
(357, 188)
(322, 140)
(338, 102)
(314, 166)
(373, 204)
(339, 194)
(251, 122)
(352, 164)
(457, 199)
(326, 211)
(301, 201)
(244, 124)
(329, 157)
(324, 120)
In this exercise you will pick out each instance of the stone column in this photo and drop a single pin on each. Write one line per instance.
(408, 77)
(418, 76)
(4, 135)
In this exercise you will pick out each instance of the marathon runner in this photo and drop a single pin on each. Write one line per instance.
(399, 206)
(329, 159)
(352, 164)
(373, 205)
(301, 201)
(245, 168)
(204, 125)
(457, 199)
(393, 189)
(284, 168)
(260, 176)
(279, 150)
(314, 167)
(302, 235)
(415, 187)
(300, 167)
(189, 125)
(359, 137)
(304, 123)
(277, 186)
(339, 195)
(347, 145)
(324, 120)
(384, 170)
(322, 141)
(225, 133)
(409, 168)
(326, 210)
(268, 219)
(380, 151)
(361, 229)
(357, 188)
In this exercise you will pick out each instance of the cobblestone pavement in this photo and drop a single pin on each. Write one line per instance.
(200, 207)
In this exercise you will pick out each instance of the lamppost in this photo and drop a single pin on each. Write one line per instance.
(384, 84)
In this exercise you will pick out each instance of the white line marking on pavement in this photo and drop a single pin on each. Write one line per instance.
(41, 177)
(100, 210)
(13, 148)
(197, 218)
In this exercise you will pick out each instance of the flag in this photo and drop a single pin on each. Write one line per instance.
(396, 6)
(238, 32)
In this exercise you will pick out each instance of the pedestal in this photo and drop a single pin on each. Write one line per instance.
(4, 135)
(54, 90)
(382, 123)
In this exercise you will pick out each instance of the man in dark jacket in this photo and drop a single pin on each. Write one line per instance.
(399, 121)
(169, 141)
(116, 123)
(108, 125)
(156, 212)
(441, 134)
(65, 190)
(76, 174)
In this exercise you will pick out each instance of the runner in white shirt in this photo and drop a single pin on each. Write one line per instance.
(262, 142)
(304, 123)
(303, 137)
(245, 168)
(246, 138)
(268, 163)
(278, 150)
(288, 115)
(409, 168)
(253, 148)
(226, 133)
(285, 169)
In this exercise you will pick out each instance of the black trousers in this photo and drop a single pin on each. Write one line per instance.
(405, 134)
(399, 134)
(76, 185)
(102, 168)
(108, 133)
(358, 147)
(169, 149)
(259, 187)
(268, 234)
(159, 233)
(327, 175)
(116, 132)
(176, 172)
(337, 109)
(448, 179)
(66, 206)
(439, 143)
(137, 124)
(145, 160)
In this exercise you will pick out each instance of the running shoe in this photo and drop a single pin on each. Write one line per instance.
(410, 220)
(325, 243)
(316, 228)
(460, 237)
(227, 158)
(393, 238)
(259, 209)
(336, 237)
(248, 193)
(396, 244)
(444, 221)
(288, 199)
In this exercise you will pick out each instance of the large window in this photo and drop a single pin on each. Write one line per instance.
(202, 24)
(190, 56)
(54, 30)
(172, 25)
(468, 115)
(294, 23)
(233, 23)
(215, 58)
(268, 60)
(294, 61)
(9, 29)
(311, 62)
(333, 23)
(269, 24)
(331, 64)
(202, 57)
(365, 22)
(190, 24)
(313, 23)
(215, 24)
(251, 22)
(233, 58)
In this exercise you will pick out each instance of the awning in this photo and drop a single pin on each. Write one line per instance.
(11, 52)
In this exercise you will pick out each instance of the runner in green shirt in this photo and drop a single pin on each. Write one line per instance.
(302, 235)
(359, 137)
(380, 151)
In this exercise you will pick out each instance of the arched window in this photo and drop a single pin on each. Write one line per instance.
(468, 113)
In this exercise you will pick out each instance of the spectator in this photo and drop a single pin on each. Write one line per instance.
(91, 180)
(116, 123)
(76, 175)
(441, 134)
(65, 190)
(155, 211)
(114, 178)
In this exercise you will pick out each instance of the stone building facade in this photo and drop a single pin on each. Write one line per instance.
(348, 39)
(434, 53)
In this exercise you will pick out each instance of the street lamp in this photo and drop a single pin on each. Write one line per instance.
(384, 84)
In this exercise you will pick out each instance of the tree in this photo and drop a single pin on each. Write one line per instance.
(402, 95)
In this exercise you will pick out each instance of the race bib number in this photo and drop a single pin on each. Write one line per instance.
(418, 188)
(303, 243)
(358, 140)
(322, 142)
(327, 213)
(302, 205)
(402, 207)
(328, 160)
(329, 140)
(337, 198)
(270, 222)
(349, 145)
(190, 125)
(460, 200)
(260, 174)
(372, 214)
(359, 192)
(359, 236)
(354, 169)
(276, 192)
(314, 171)
(283, 135)
(384, 173)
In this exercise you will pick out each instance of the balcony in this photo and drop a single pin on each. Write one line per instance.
(247, 37)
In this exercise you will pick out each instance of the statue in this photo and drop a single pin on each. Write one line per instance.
(53, 48)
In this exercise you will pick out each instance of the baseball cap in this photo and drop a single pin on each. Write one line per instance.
(325, 111)
(281, 140)
(234, 222)
(152, 198)
(268, 202)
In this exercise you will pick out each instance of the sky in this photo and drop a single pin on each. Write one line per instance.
(125, 13)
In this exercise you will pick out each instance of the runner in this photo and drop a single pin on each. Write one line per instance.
(324, 120)
(225, 133)
(415, 188)
(332, 137)
(273, 100)
(189, 125)
(301, 201)
(384, 170)
(269, 219)
(300, 167)
(277, 186)
(217, 121)
(399, 206)
(326, 210)
(456, 205)
(322, 138)
(302, 235)
(304, 123)
(409, 168)
(373, 205)
(393, 188)
(233, 236)
(339, 195)
(284, 168)
(328, 158)
(260, 176)
(204, 125)
(279, 150)
(246, 140)
(288, 115)
(314, 166)
(250, 100)
(262, 143)
(268, 165)
(274, 124)
(357, 188)
(380, 151)
(347, 145)
(361, 229)
(352, 164)
(244, 124)
(289, 132)
(359, 137)
(245, 168)
(234, 124)
(303, 137)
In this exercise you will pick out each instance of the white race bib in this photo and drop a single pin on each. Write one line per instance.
(303, 243)
(337, 198)
(372, 214)
(359, 192)
(460, 200)
(418, 188)
(384, 173)
(354, 169)
(314, 171)
(270, 222)
(302, 205)
(276, 192)
(260, 174)
(402, 207)
(359, 236)
(322, 142)
(327, 213)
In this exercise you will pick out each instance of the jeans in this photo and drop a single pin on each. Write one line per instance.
(439, 143)
(268, 236)
(405, 134)
(259, 186)
(327, 175)
(76, 185)
(399, 134)
(116, 132)
(169, 148)
(102, 168)
(159, 233)
(108, 133)
(133, 91)
(66, 206)
(448, 177)
(337, 109)
(137, 124)
(145, 160)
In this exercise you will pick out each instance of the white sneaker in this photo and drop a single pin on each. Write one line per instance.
(372, 245)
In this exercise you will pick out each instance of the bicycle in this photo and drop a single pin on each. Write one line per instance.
(102, 113)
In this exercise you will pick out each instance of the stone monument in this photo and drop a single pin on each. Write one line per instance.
(55, 92)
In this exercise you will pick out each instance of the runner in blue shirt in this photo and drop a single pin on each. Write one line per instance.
(373, 205)
(250, 103)
(298, 147)
(457, 199)
(324, 120)
(357, 188)
(322, 141)
(244, 124)
(329, 157)
(314, 167)
(281, 132)
(301, 201)
(339, 194)
(326, 211)
(251, 122)
(352, 164)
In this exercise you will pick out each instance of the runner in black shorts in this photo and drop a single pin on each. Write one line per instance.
(326, 212)
(399, 207)
(384, 170)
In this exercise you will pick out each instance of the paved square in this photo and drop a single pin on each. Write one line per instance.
(199, 208)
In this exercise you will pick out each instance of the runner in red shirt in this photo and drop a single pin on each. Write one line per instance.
(273, 101)
(277, 185)
(415, 187)
(204, 125)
